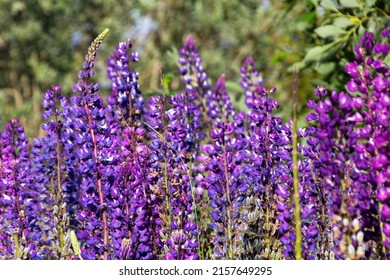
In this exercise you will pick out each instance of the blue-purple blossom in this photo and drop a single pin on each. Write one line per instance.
(348, 149)
(19, 206)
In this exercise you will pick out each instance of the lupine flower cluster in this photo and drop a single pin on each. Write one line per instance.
(188, 177)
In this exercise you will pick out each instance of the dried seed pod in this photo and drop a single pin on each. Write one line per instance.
(25, 251)
(163, 236)
(67, 239)
(359, 237)
(360, 252)
(343, 247)
(351, 251)
(336, 232)
(355, 225)
(345, 222)
(273, 255)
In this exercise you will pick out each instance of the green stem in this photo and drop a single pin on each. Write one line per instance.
(298, 232)
(267, 224)
(99, 179)
(18, 251)
(382, 248)
(59, 193)
(229, 204)
(167, 196)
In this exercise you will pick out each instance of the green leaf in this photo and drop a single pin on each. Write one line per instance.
(327, 31)
(350, 3)
(75, 243)
(325, 68)
(279, 56)
(328, 5)
(370, 3)
(297, 65)
(343, 22)
(361, 30)
(315, 2)
(166, 81)
(17, 7)
(372, 25)
(234, 87)
(386, 60)
(315, 54)
(240, 104)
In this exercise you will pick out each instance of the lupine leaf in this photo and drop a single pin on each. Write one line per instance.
(327, 31)
(350, 3)
(328, 5)
(315, 53)
(370, 3)
(166, 81)
(386, 60)
(325, 68)
(315, 2)
(343, 22)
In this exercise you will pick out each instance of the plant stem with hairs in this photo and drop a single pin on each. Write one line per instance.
(298, 230)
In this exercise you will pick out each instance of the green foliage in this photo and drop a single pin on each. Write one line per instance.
(40, 43)
(339, 26)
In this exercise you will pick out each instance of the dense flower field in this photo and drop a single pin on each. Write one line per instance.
(190, 177)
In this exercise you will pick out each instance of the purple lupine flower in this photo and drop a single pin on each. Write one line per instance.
(19, 207)
(330, 159)
(346, 128)
(180, 246)
(126, 95)
(315, 203)
(139, 201)
(124, 109)
(180, 152)
(219, 162)
(92, 137)
(157, 176)
(55, 167)
(380, 148)
(197, 85)
(193, 74)
(49, 172)
(250, 80)
(172, 146)
(72, 179)
(269, 153)
(219, 104)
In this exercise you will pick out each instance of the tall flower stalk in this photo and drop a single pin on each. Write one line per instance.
(89, 116)
(297, 207)
(19, 205)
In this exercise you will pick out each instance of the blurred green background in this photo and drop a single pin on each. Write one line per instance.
(43, 42)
